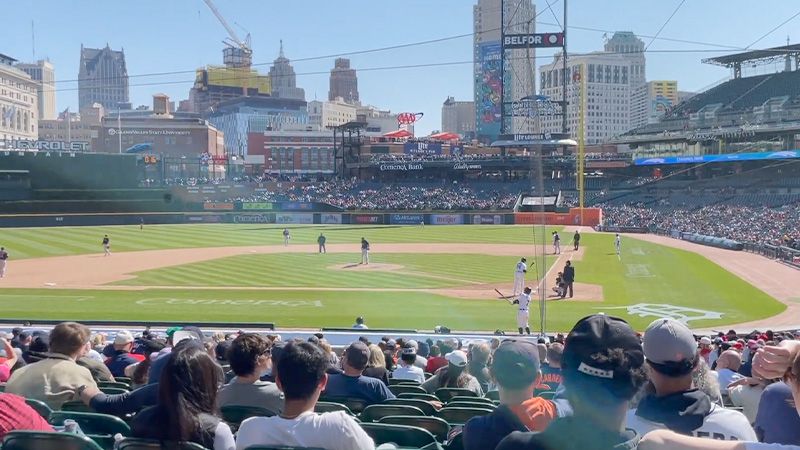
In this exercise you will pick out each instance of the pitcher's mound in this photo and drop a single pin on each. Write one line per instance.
(372, 266)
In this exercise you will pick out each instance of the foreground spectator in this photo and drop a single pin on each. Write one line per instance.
(249, 357)
(776, 421)
(376, 366)
(16, 415)
(478, 362)
(551, 372)
(352, 383)
(408, 369)
(139, 372)
(123, 344)
(54, 380)
(515, 370)
(728, 364)
(453, 375)
(422, 351)
(603, 369)
(9, 363)
(672, 355)
(187, 403)
(302, 377)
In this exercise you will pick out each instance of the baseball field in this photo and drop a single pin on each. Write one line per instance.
(417, 277)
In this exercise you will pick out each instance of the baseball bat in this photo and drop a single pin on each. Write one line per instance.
(504, 297)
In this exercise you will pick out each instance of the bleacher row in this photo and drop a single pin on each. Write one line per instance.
(410, 420)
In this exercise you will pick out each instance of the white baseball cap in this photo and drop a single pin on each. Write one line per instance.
(123, 337)
(705, 340)
(456, 358)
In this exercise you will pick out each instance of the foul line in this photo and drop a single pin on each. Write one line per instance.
(557, 263)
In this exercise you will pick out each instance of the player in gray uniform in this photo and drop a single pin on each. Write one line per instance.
(3, 259)
(321, 241)
(524, 302)
(364, 251)
(286, 237)
(107, 245)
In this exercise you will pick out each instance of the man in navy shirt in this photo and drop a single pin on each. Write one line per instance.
(123, 343)
(354, 385)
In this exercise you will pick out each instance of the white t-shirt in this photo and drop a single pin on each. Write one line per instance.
(409, 373)
(331, 431)
(521, 267)
(726, 377)
(748, 397)
(720, 423)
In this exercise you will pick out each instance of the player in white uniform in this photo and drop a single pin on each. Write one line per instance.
(524, 302)
(286, 237)
(616, 243)
(3, 259)
(556, 243)
(519, 276)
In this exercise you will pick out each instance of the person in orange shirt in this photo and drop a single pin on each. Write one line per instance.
(515, 370)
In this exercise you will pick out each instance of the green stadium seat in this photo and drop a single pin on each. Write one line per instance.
(456, 443)
(235, 415)
(426, 407)
(465, 404)
(2, 387)
(356, 405)
(113, 390)
(92, 423)
(149, 444)
(47, 440)
(40, 407)
(396, 381)
(459, 416)
(374, 413)
(445, 394)
(323, 407)
(76, 405)
(492, 395)
(398, 389)
(125, 380)
(461, 398)
(113, 384)
(402, 435)
(427, 397)
(436, 426)
(428, 375)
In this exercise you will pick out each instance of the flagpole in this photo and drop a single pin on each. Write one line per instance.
(69, 131)
(119, 127)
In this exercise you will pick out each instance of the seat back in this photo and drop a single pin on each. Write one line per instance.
(47, 440)
(40, 407)
(481, 400)
(92, 423)
(356, 405)
(149, 444)
(436, 426)
(460, 416)
(374, 413)
(492, 395)
(402, 435)
(424, 406)
(113, 384)
(396, 381)
(323, 407)
(76, 405)
(446, 393)
(125, 380)
(113, 390)
(462, 404)
(398, 389)
(235, 415)
(418, 396)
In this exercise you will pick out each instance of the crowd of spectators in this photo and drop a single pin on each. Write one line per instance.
(601, 386)
(774, 226)
(383, 158)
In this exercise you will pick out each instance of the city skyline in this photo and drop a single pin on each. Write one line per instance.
(440, 69)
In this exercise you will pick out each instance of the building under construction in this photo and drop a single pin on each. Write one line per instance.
(213, 84)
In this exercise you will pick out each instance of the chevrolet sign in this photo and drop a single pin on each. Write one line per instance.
(533, 40)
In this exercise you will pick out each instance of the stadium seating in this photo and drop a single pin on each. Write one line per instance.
(436, 426)
(42, 440)
(402, 435)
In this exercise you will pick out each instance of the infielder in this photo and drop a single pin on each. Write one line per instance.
(524, 302)
(556, 243)
(286, 237)
(616, 243)
(364, 251)
(107, 245)
(519, 276)
(3, 259)
(321, 241)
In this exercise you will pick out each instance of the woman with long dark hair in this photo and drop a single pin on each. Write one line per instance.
(454, 374)
(187, 402)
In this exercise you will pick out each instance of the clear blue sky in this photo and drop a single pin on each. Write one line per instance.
(182, 35)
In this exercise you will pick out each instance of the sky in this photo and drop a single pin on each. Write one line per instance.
(183, 35)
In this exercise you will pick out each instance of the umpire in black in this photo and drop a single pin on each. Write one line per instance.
(569, 278)
(576, 239)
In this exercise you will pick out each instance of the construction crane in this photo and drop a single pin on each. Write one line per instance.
(237, 53)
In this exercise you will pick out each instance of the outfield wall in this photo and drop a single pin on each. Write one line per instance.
(307, 218)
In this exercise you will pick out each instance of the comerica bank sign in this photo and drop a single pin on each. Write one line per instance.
(58, 146)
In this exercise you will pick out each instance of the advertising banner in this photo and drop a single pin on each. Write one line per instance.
(250, 218)
(294, 218)
(624, 230)
(204, 218)
(331, 218)
(728, 157)
(447, 219)
(362, 219)
(606, 164)
(487, 219)
(406, 219)
(218, 206)
(257, 206)
(489, 90)
(591, 217)
(422, 148)
(297, 206)
(395, 167)
(533, 40)
(465, 166)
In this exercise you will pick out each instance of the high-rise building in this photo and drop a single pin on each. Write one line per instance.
(344, 82)
(517, 73)
(19, 104)
(102, 78)
(379, 120)
(626, 43)
(322, 115)
(606, 77)
(651, 100)
(284, 79)
(458, 117)
(44, 73)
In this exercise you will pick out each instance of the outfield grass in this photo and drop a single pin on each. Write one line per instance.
(645, 273)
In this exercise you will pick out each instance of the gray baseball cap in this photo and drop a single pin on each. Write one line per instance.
(667, 340)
